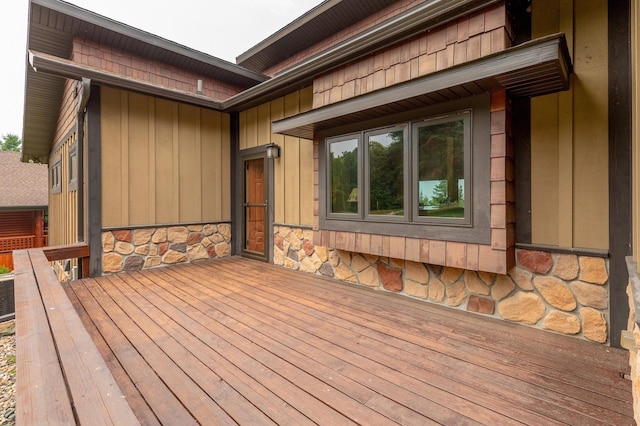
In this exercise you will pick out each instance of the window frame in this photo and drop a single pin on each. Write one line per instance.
(366, 169)
(476, 230)
(56, 172)
(467, 117)
(344, 216)
(73, 182)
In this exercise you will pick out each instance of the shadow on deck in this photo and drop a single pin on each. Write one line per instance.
(238, 341)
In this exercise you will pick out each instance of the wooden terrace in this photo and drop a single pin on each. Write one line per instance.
(239, 341)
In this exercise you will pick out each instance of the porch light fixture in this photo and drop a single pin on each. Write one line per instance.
(273, 151)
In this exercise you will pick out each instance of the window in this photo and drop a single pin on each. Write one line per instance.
(434, 194)
(440, 147)
(426, 177)
(343, 165)
(56, 169)
(73, 167)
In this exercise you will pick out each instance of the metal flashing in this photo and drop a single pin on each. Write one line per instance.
(534, 68)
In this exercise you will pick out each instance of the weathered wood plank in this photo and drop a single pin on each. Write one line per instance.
(189, 393)
(96, 397)
(491, 361)
(41, 396)
(138, 404)
(297, 348)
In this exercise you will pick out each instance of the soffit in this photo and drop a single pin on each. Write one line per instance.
(320, 23)
(53, 24)
(535, 68)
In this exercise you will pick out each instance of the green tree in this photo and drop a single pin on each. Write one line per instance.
(10, 142)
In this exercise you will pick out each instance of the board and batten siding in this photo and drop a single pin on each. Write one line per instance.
(293, 178)
(63, 205)
(569, 132)
(163, 162)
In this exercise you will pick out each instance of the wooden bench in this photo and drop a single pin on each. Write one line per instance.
(61, 376)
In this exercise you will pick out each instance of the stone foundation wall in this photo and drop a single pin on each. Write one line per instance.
(136, 249)
(632, 326)
(564, 293)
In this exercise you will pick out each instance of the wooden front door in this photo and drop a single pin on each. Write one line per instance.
(255, 207)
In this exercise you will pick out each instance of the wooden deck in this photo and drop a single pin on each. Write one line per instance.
(238, 341)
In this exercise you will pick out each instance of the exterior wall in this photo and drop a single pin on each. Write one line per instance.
(63, 205)
(67, 113)
(564, 293)
(635, 135)
(497, 257)
(293, 179)
(462, 40)
(162, 162)
(465, 39)
(143, 248)
(569, 133)
(371, 21)
(632, 326)
(116, 61)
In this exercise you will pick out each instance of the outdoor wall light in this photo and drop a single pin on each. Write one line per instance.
(273, 151)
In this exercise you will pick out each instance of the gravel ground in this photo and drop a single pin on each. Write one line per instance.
(7, 374)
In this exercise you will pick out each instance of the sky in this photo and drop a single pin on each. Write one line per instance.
(222, 28)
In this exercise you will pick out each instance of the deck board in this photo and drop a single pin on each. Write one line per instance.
(239, 341)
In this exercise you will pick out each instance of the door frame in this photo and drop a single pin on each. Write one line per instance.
(243, 156)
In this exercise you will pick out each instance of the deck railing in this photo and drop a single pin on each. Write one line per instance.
(61, 375)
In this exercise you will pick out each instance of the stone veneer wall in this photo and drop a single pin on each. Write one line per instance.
(564, 293)
(136, 249)
(633, 292)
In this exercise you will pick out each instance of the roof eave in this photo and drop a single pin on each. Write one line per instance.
(143, 36)
(535, 68)
(422, 17)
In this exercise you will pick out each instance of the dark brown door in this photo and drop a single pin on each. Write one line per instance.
(255, 206)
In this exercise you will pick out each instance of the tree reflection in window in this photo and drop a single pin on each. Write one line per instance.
(343, 156)
(441, 168)
(386, 173)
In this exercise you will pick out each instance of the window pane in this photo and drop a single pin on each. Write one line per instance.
(386, 173)
(343, 159)
(441, 169)
(73, 167)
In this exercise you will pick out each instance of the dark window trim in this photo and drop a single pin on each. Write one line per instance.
(56, 178)
(367, 169)
(73, 182)
(467, 220)
(480, 232)
(345, 216)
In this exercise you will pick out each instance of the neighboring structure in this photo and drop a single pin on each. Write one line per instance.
(472, 153)
(23, 205)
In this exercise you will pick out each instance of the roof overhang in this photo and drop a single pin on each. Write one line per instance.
(52, 26)
(425, 16)
(53, 65)
(323, 21)
(534, 68)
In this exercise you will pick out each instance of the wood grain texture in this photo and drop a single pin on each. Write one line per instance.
(264, 344)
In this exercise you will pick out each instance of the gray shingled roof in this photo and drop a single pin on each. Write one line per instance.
(22, 184)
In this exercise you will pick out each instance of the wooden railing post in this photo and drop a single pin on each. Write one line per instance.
(39, 231)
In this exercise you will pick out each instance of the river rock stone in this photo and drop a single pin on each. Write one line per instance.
(522, 307)
(591, 295)
(415, 289)
(594, 325)
(108, 242)
(143, 236)
(561, 322)
(566, 267)
(593, 270)
(450, 275)
(368, 277)
(503, 286)
(522, 278)
(555, 292)
(178, 234)
(160, 236)
(436, 290)
(416, 272)
(111, 262)
(539, 262)
(456, 294)
(391, 278)
(474, 284)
